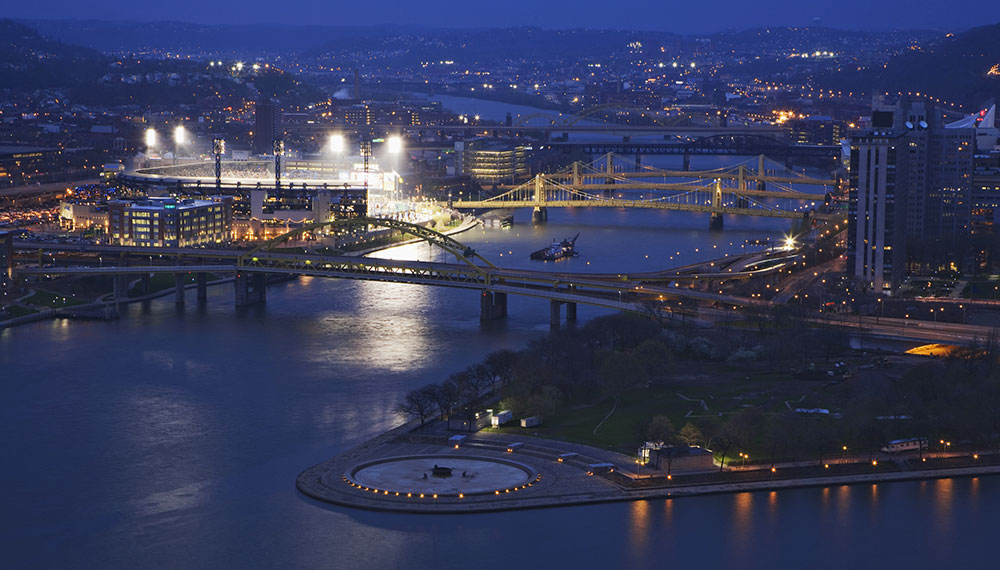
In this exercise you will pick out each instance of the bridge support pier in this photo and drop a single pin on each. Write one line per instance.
(570, 312)
(179, 288)
(251, 288)
(539, 215)
(715, 222)
(555, 313)
(687, 161)
(492, 306)
(144, 284)
(120, 287)
(202, 287)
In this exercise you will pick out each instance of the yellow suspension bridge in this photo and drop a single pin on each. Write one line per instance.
(616, 182)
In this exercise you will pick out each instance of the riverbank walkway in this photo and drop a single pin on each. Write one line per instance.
(557, 473)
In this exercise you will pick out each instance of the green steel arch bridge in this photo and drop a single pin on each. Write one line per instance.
(251, 269)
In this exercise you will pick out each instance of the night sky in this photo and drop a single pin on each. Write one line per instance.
(666, 15)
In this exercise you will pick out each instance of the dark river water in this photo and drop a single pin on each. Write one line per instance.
(171, 438)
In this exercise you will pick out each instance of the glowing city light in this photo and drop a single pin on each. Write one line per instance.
(180, 135)
(395, 144)
(337, 143)
(150, 137)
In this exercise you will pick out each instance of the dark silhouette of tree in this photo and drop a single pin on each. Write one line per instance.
(418, 403)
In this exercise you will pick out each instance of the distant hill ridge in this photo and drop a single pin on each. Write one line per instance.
(954, 68)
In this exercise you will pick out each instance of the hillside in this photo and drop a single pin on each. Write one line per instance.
(30, 61)
(953, 68)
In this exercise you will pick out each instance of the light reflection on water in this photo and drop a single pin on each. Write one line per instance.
(639, 516)
(171, 439)
(944, 502)
(743, 522)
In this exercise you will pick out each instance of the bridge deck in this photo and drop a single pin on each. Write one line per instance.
(618, 203)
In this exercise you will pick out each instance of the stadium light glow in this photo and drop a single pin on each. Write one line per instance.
(256, 67)
(180, 135)
(150, 137)
(239, 66)
(395, 144)
(337, 143)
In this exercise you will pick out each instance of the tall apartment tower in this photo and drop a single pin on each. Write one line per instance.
(941, 161)
(266, 125)
(877, 213)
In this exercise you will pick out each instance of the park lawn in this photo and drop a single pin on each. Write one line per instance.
(625, 430)
(85, 288)
(43, 298)
(982, 288)
(162, 281)
(14, 311)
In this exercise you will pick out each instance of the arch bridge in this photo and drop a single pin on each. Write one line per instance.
(613, 181)
(470, 271)
(597, 112)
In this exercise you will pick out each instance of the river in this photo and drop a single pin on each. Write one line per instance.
(171, 438)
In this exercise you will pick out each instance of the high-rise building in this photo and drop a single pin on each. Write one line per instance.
(985, 201)
(876, 227)
(493, 161)
(911, 177)
(266, 125)
(6, 259)
(941, 158)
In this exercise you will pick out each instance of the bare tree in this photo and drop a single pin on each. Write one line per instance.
(690, 434)
(661, 430)
(418, 403)
(500, 365)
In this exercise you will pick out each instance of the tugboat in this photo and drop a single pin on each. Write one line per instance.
(558, 250)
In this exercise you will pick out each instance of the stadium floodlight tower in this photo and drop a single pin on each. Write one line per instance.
(180, 139)
(337, 143)
(366, 155)
(218, 149)
(150, 139)
(279, 150)
(394, 144)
